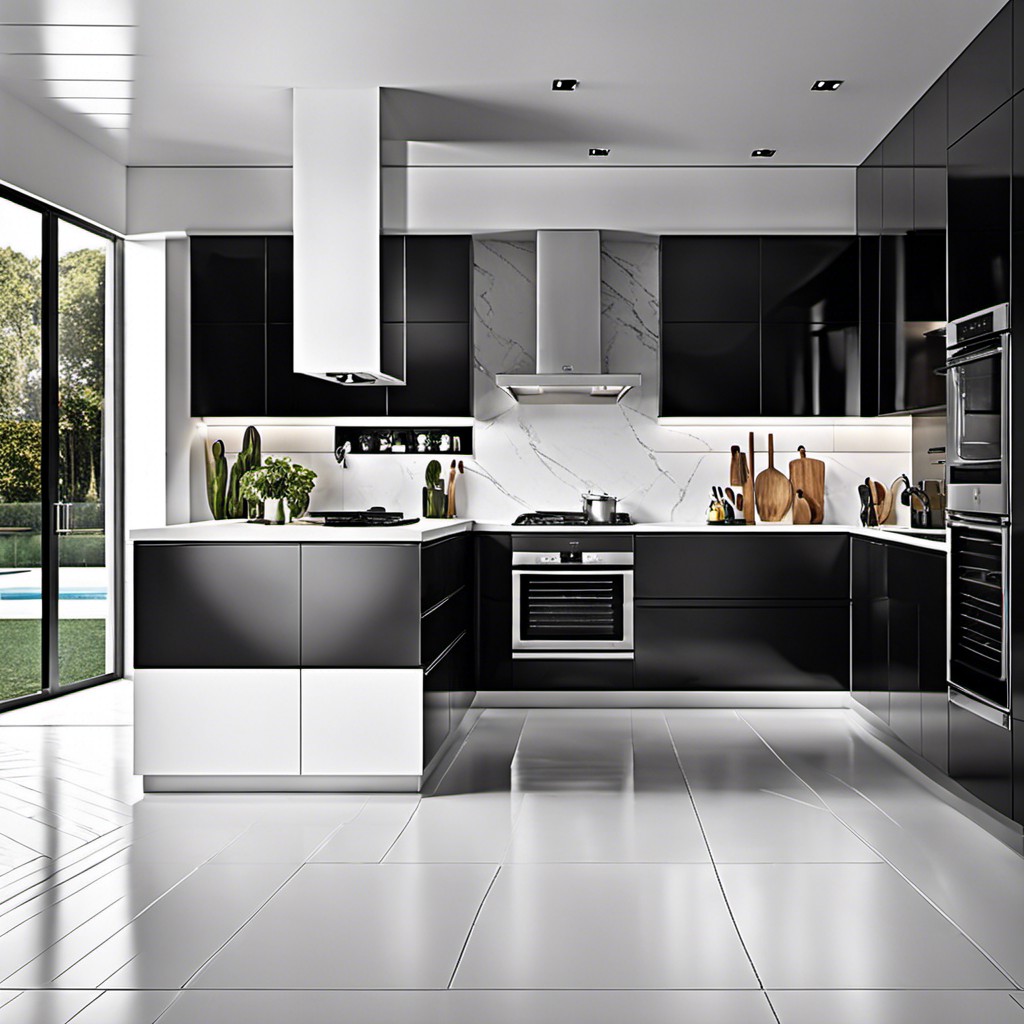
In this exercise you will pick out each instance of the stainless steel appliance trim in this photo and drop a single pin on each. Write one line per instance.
(997, 716)
(535, 559)
(625, 644)
(1000, 322)
(975, 357)
(572, 655)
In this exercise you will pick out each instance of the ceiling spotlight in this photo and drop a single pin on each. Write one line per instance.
(763, 152)
(565, 84)
(826, 85)
(598, 151)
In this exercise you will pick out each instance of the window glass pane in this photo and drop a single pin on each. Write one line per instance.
(21, 606)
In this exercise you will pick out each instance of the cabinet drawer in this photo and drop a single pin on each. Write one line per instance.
(362, 721)
(981, 758)
(443, 624)
(360, 605)
(216, 605)
(572, 674)
(207, 721)
(801, 568)
(444, 567)
(742, 648)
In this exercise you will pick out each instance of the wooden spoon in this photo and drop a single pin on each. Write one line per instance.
(772, 489)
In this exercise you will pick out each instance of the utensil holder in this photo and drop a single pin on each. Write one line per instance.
(435, 503)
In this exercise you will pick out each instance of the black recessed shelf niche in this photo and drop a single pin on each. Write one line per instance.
(438, 441)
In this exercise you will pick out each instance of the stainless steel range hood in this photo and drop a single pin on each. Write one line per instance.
(568, 328)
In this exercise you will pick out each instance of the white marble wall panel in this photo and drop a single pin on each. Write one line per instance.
(542, 457)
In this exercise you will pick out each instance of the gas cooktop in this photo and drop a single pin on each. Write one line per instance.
(371, 517)
(568, 519)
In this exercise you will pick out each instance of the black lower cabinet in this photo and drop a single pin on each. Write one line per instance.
(494, 610)
(360, 605)
(216, 605)
(572, 674)
(742, 647)
(444, 694)
(904, 686)
(931, 581)
(981, 757)
(869, 680)
(1018, 770)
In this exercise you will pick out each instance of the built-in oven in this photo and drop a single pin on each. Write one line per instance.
(572, 596)
(979, 551)
(978, 412)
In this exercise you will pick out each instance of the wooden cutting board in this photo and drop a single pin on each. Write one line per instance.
(808, 475)
(773, 492)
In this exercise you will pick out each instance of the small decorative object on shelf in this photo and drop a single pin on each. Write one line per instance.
(277, 482)
(434, 503)
(369, 440)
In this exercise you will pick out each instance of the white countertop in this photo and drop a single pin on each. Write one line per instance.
(231, 530)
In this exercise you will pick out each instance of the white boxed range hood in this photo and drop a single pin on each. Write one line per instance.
(336, 221)
(568, 327)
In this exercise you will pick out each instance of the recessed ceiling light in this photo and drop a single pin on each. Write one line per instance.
(826, 85)
(598, 151)
(565, 84)
(763, 152)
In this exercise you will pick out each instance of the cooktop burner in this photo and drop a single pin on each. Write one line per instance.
(568, 519)
(371, 517)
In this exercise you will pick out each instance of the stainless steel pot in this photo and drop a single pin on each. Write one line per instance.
(599, 508)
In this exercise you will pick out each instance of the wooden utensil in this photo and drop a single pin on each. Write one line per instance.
(801, 510)
(739, 502)
(748, 482)
(890, 500)
(730, 494)
(808, 475)
(737, 468)
(877, 497)
(772, 491)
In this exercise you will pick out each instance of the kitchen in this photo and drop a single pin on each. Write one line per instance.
(702, 747)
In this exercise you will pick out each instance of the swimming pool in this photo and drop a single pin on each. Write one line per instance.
(35, 594)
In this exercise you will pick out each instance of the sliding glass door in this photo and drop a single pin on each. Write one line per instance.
(59, 488)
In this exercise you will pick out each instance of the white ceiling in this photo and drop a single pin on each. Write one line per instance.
(207, 82)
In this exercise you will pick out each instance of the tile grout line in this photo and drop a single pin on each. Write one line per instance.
(714, 865)
(472, 925)
(884, 859)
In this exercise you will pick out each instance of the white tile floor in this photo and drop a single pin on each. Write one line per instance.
(599, 866)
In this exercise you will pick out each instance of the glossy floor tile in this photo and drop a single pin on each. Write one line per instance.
(594, 926)
(848, 926)
(356, 926)
(462, 1007)
(561, 865)
(872, 1007)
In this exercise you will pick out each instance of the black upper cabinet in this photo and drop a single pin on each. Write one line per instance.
(710, 278)
(809, 279)
(228, 370)
(1018, 61)
(979, 174)
(981, 78)
(438, 276)
(710, 369)
(869, 250)
(437, 371)
(808, 370)
(299, 394)
(280, 279)
(930, 130)
(392, 279)
(228, 279)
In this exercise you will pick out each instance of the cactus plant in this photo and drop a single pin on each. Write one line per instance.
(248, 458)
(216, 478)
(433, 474)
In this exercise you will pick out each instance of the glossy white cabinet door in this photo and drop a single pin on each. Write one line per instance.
(235, 721)
(362, 721)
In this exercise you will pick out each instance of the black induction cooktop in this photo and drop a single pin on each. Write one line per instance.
(568, 519)
(371, 517)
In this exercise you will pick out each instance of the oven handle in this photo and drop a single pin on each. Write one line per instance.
(974, 357)
(976, 707)
(976, 522)
(572, 655)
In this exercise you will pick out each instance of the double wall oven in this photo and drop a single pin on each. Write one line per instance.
(978, 518)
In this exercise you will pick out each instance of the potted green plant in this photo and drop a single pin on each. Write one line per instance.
(278, 481)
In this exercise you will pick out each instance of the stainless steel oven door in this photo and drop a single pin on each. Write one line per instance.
(572, 610)
(978, 647)
(977, 444)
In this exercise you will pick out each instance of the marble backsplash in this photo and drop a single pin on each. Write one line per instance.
(542, 457)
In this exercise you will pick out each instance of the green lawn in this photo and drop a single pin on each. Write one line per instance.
(82, 653)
